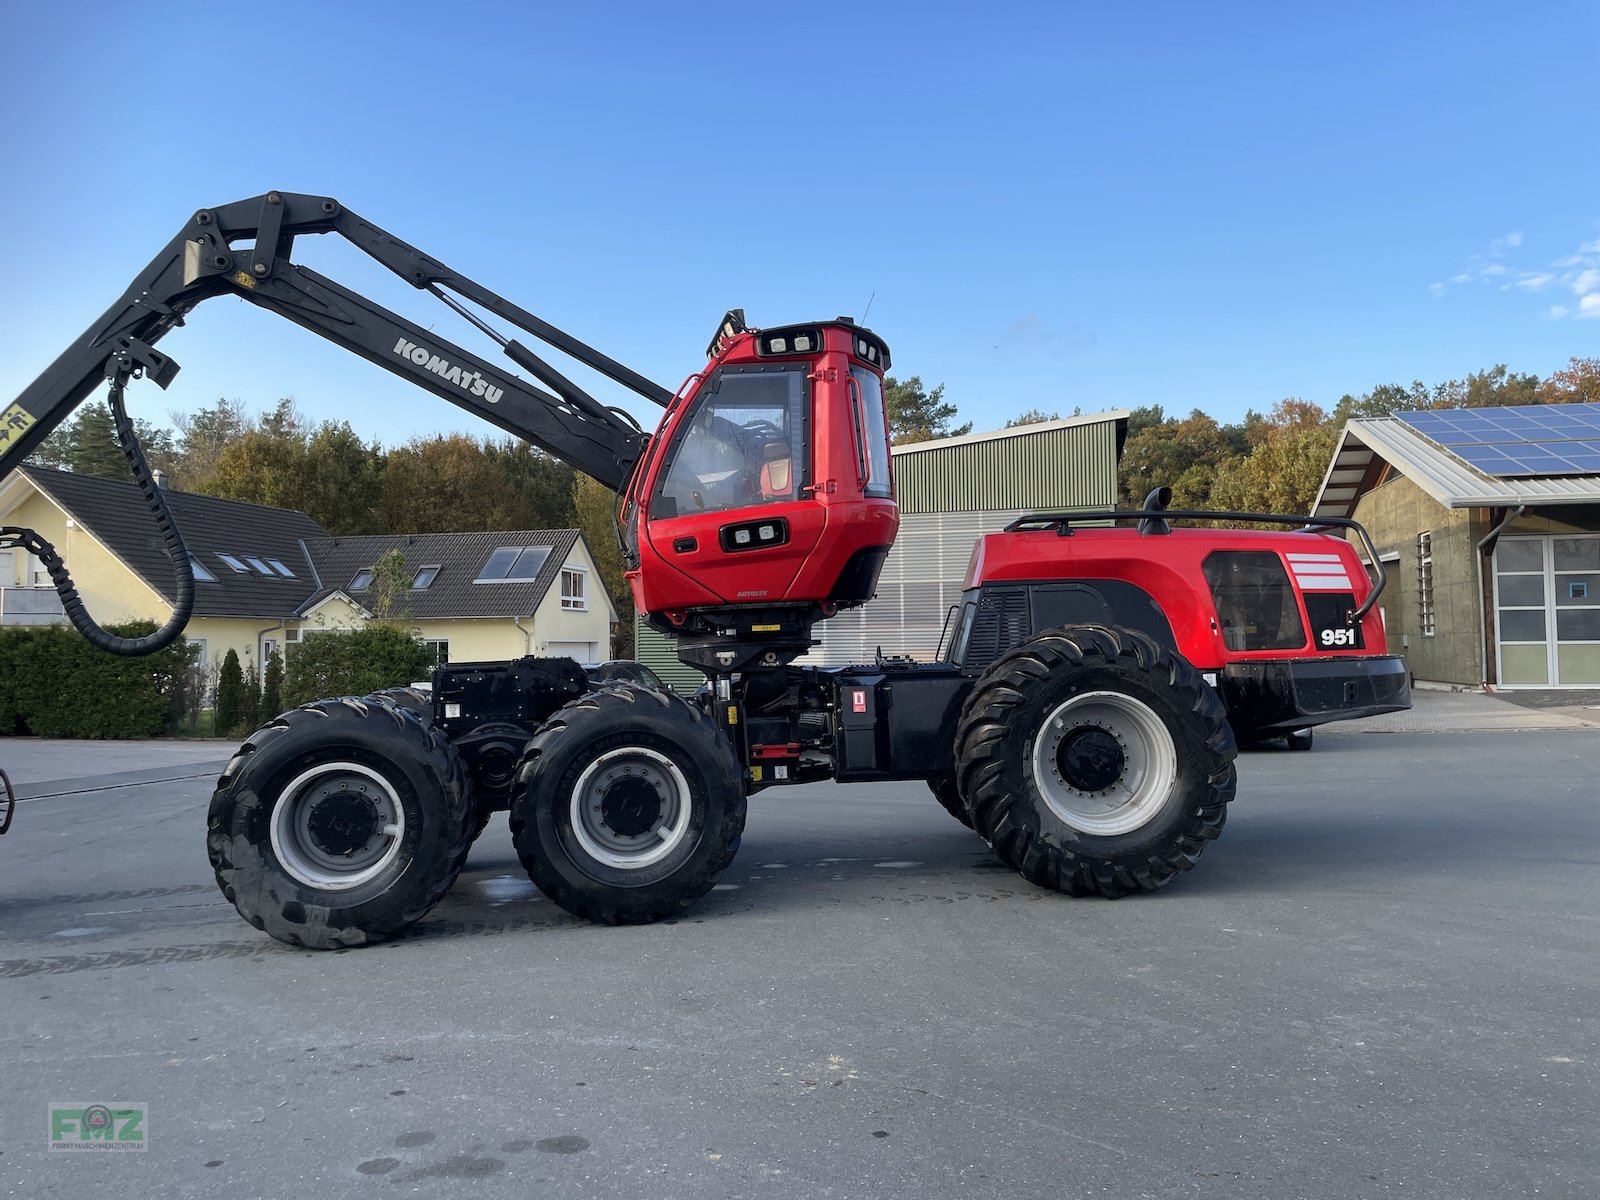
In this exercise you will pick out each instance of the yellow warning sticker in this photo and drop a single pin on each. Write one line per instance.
(15, 422)
(765, 628)
(755, 774)
(733, 714)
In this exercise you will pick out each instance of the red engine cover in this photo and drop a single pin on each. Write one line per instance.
(1322, 573)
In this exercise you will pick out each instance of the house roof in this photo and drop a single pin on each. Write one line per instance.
(320, 566)
(116, 514)
(460, 558)
(1370, 442)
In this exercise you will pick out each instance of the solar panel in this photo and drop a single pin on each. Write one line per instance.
(1520, 440)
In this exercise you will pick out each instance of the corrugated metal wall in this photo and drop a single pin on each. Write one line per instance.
(921, 579)
(949, 492)
(660, 653)
(1069, 466)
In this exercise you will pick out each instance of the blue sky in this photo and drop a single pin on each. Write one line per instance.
(1048, 205)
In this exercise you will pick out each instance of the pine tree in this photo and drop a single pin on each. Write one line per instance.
(229, 713)
(272, 687)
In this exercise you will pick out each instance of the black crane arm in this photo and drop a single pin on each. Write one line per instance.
(208, 258)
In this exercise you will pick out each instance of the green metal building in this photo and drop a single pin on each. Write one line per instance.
(950, 491)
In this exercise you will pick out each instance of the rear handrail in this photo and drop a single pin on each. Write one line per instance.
(1062, 523)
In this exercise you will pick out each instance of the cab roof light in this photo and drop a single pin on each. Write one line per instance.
(789, 341)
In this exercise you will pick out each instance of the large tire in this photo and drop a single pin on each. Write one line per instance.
(628, 806)
(415, 699)
(421, 703)
(1094, 761)
(340, 823)
(948, 795)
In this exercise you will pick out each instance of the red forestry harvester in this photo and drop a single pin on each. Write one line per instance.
(1083, 718)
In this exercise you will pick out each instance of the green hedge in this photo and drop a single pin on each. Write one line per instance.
(53, 683)
(378, 655)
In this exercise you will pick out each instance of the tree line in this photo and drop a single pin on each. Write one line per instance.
(1267, 462)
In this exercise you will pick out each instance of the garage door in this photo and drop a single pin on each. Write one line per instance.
(584, 652)
(1547, 610)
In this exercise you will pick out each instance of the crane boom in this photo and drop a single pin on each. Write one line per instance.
(208, 257)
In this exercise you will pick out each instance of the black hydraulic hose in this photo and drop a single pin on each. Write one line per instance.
(183, 569)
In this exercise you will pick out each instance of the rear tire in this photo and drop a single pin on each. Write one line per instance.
(420, 702)
(415, 699)
(339, 823)
(1094, 761)
(628, 806)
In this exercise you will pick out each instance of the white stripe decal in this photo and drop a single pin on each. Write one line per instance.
(1314, 557)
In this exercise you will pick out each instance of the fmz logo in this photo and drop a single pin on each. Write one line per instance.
(120, 1126)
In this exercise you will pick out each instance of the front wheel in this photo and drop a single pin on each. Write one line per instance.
(339, 823)
(628, 806)
(1094, 761)
(948, 795)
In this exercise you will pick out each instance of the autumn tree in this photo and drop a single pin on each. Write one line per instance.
(446, 484)
(1186, 455)
(1577, 382)
(326, 472)
(449, 483)
(1284, 471)
(543, 485)
(918, 415)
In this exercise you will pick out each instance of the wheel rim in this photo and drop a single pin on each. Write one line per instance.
(1104, 763)
(337, 826)
(631, 808)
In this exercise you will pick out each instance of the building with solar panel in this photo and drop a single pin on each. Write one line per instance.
(1487, 521)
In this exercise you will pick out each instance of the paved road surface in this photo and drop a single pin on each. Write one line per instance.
(1380, 982)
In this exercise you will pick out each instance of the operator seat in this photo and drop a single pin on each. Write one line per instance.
(777, 472)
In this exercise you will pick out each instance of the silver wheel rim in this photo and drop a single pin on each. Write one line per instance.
(315, 843)
(627, 778)
(1104, 763)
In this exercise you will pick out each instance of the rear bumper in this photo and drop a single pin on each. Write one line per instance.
(1269, 699)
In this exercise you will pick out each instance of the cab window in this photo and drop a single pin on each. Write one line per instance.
(744, 444)
(874, 432)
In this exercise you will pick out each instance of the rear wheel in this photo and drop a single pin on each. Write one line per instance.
(415, 699)
(420, 702)
(628, 806)
(1094, 761)
(339, 823)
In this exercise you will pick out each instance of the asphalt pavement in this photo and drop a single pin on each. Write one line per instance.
(1379, 982)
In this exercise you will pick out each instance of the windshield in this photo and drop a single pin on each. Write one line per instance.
(745, 445)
